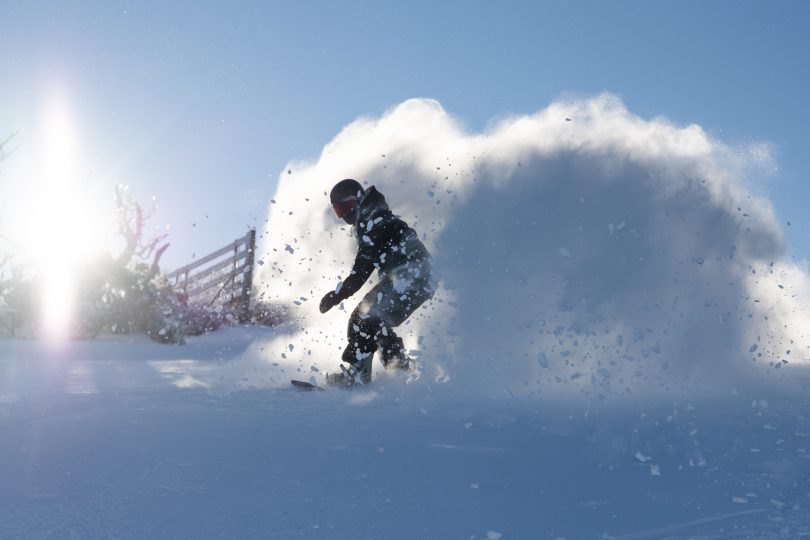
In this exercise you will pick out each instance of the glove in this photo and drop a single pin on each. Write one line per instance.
(329, 301)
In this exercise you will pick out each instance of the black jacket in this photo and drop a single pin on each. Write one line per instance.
(385, 243)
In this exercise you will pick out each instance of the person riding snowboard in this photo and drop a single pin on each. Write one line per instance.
(386, 244)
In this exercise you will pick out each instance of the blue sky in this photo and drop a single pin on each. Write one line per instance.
(201, 105)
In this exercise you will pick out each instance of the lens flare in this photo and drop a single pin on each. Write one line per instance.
(53, 229)
(61, 226)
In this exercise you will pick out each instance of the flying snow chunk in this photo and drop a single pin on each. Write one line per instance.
(493, 535)
(564, 253)
(289, 248)
(642, 458)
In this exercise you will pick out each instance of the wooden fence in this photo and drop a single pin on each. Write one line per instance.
(223, 278)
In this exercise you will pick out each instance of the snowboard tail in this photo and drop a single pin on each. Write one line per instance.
(306, 386)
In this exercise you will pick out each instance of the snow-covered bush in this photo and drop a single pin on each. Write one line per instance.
(110, 299)
(200, 319)
(16, 293)
(124, 300)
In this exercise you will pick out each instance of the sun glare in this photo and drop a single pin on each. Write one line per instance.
(62, 225)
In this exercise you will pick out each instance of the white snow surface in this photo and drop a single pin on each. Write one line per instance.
(617, 350)
(128, 440)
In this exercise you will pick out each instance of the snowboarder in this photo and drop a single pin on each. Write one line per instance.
(386, 244)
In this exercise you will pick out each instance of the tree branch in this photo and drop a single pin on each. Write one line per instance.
(3, 152)
(131, 223)
(155, 268)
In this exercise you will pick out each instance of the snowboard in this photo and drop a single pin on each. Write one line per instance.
(306, 386)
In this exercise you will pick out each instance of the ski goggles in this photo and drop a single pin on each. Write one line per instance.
(345, 207)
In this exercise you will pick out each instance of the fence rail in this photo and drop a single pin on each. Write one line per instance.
(222, 278)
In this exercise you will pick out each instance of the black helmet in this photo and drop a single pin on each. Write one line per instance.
(345, 190)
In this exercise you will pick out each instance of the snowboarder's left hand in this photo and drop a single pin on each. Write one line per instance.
(329, 301)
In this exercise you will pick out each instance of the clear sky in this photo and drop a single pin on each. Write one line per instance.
(202, 104)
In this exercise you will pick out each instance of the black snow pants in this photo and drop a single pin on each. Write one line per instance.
(386, 306)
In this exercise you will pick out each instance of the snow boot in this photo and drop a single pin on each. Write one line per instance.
(394, 355)
(356, 374)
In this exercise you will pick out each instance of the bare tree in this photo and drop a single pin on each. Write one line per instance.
(132, 218)
(3, 152)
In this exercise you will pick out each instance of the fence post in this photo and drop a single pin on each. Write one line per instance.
(247, 282)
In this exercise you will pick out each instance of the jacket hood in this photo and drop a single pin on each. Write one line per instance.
(371, 205)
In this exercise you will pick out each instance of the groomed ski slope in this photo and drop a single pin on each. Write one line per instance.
(129, 439)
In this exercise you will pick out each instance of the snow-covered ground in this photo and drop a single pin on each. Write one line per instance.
(117, 439)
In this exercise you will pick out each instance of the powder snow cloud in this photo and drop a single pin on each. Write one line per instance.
(579, 249)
